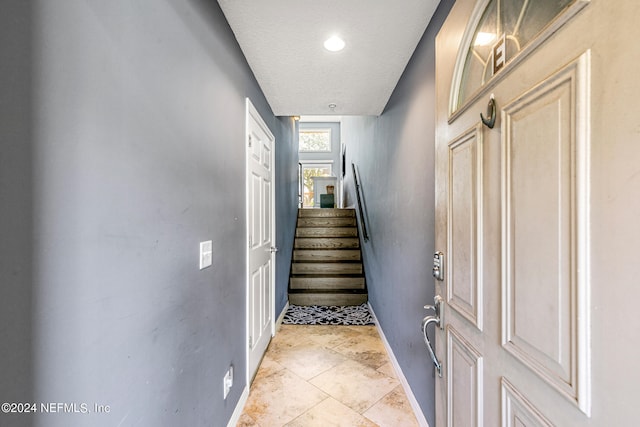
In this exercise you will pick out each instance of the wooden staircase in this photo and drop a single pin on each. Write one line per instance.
(327, 263)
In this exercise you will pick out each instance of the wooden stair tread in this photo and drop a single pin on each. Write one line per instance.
(326, 283)
(325, 212)
(327, 232)
(328, 261)
(348, 278)
(326, 222)
(326, 276)
(326, 255)
(328, 291)
(326, 242)
(327, 266)
(331, 263)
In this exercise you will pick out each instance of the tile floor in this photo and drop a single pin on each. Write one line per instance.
(327, 376)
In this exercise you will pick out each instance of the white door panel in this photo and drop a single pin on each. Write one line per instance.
(266, 218)
(537, 219)
(266, 296)
(465, 385)
(544, 195)
(260, 307)
(256, 210)
(517, 411)
(464, 293)
(255, 295)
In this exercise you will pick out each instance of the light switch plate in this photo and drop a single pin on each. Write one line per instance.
(206, 255)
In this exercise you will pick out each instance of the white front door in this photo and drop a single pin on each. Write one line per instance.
(261, 234)
(537, 216)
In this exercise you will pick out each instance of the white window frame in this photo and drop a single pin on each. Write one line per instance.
(318, 129)
(319, 163)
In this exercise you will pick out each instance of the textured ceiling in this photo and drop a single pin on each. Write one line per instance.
(283, 43)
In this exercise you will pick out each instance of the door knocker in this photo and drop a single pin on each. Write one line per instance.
(491, 111)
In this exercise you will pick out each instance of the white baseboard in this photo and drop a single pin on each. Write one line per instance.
(281, 316)
(403, 380)
(237, 413)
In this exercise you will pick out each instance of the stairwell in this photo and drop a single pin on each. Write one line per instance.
(327, 262)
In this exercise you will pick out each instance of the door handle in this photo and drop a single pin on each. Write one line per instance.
(425, 323)
(272, 249)
(436, 320)
(491, 110)
(437, 308)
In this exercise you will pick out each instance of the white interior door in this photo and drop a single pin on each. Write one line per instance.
(531, 335)
(261, 234)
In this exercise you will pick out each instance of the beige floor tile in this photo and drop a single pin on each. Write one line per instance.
(366, 349)
(246, 421)
(288, 336)
(281, 397)
(349, 374)
(331, 413)
(268, 367)
(392, 410)
(330, 336)
(388, 370)
(371, 330)
(356, 385)
(308, 361)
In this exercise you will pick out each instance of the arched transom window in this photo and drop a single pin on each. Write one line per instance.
(498, 31)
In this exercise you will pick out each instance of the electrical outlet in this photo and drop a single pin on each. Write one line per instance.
(227, 381)
(206, 254)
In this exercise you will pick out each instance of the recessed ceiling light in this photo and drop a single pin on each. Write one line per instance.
(334, 44)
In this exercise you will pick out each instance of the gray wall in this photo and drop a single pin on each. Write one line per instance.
(286, 208)
(122, 147)
(395, 157)
(16, 207)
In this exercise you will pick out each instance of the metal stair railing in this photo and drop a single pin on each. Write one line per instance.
(365, 233)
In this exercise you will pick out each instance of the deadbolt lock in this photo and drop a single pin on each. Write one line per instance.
(438, 265)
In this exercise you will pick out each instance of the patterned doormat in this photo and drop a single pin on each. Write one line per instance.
(325, 315)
